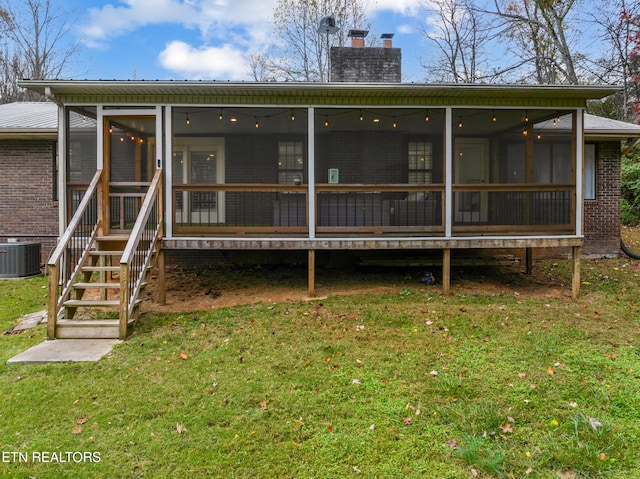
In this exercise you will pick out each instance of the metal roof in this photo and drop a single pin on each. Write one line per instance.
(29, 118)
(190, 91)
(594, 127)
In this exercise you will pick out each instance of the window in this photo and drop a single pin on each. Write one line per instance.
(590, 172)
(420, 163)
(290, 162)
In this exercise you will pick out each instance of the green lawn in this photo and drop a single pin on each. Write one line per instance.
(407, 385)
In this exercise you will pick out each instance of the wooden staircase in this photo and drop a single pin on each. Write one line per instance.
(96, 279)
(94, 302)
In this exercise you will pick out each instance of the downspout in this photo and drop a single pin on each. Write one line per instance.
(62, 164)
(49, 95)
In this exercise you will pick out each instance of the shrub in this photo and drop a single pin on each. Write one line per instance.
(630, 201)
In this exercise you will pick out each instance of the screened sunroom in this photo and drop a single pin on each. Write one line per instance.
(372, 171)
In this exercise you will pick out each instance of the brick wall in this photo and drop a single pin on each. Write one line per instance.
(602, 215)
(28, 211)
(368, 65)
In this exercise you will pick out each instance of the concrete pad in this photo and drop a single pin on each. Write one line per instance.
(65, 350)
(31, 320)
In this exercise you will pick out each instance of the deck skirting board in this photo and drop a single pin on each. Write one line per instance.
(368, 244)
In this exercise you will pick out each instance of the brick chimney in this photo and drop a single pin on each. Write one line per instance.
(386, 40)
(357, 38)
(366, 64)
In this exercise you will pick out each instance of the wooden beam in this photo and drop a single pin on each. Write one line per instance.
(528, 260)
(446, 270)
(575, 280)
(162, 293)
(312, 273)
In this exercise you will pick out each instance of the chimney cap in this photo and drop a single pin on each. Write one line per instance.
(358, 33)
(387, 36)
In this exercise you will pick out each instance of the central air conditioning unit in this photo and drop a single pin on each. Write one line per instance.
(19, 260)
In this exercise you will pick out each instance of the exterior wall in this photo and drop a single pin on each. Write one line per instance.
(368, 65)
(602, 215)
(28, 211)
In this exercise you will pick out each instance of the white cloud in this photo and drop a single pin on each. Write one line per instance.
(112, 21)
(404, 7)
(211, 17)
(212, 63)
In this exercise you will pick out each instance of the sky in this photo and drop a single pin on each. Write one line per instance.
(204, 39)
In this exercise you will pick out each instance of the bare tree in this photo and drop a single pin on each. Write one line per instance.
(538, 32)
(37, 43)
(619, 63)
(460, 34)
(301, 50)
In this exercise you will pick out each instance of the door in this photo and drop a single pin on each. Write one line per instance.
(129, 165)
(199, 161)
(471, 167)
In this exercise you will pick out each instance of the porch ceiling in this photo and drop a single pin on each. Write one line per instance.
(204, 92)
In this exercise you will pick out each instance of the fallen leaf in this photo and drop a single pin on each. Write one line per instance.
(408, 421)
(82, 421)
(474, 473)
(528, 471)
(356, 381)
(263, 405)
(452, 443)
(434, 373)
(77, 430)
(329, 427)
(603, 456)
(573, 404)
(550, 370)
(356, 470)
(180, 428)
(507, 427)
(372, 427)
(183, 355)
(594, 423)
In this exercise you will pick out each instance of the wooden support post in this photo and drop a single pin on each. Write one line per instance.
(162, 292)
(124, 301)
(575, 280)
(311, 288)
(528, 260)
(446, 270)
(52, 309)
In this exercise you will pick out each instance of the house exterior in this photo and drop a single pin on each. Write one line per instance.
(166, 167)
(28, 185)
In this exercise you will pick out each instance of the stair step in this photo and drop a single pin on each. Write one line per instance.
(106, 269)
(96, 285)
(96, 252)
(112, 238)
(91, 303)
(87, 329)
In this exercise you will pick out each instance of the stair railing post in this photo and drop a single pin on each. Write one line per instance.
(124, 301)
(52, 304)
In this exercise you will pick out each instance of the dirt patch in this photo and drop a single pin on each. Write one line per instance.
(212, 288)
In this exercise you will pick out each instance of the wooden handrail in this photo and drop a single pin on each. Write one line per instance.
(132, 272)
(61, 280)
(513, 187)
(73, 224)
